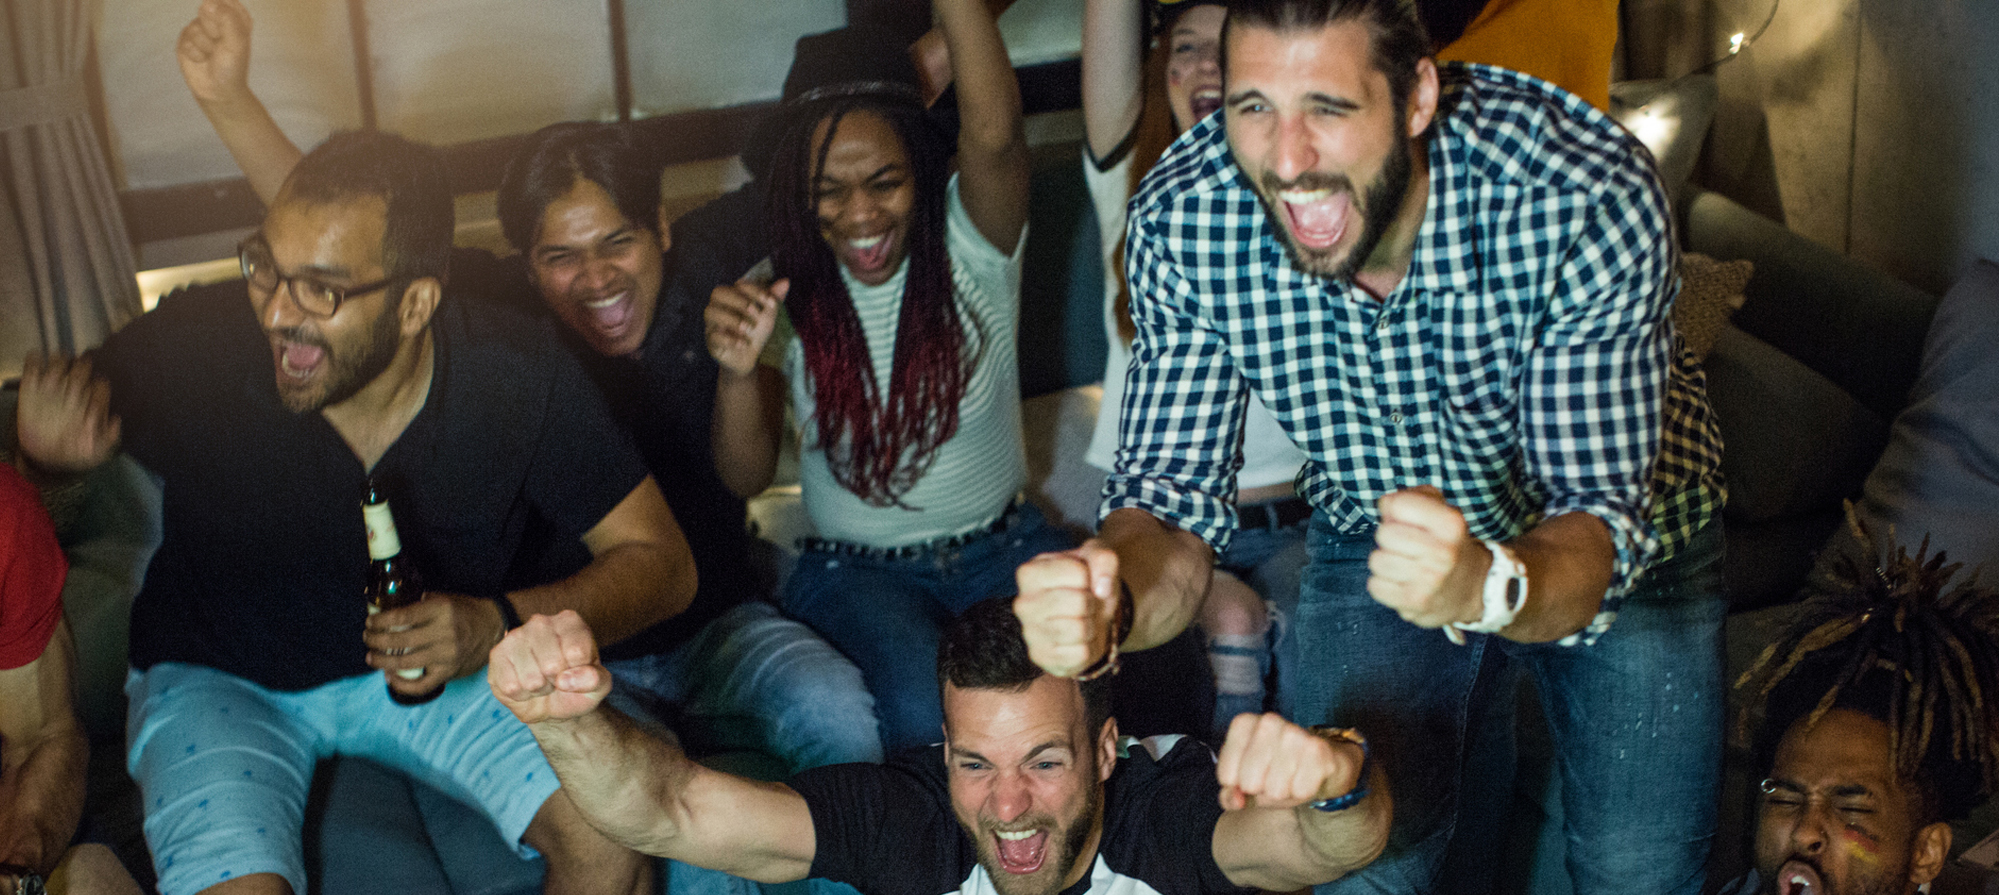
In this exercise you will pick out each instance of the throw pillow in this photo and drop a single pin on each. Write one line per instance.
(1940, 475)
(1710, 293)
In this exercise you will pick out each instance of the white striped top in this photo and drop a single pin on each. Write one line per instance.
(975, 474)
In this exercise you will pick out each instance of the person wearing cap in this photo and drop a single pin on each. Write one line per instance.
(901, 281)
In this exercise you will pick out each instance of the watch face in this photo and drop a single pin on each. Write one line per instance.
(1516, 592)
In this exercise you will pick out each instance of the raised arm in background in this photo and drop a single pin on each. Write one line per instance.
(214, 54)
(993, 162)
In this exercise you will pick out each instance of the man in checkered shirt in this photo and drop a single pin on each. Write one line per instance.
(1451, 285)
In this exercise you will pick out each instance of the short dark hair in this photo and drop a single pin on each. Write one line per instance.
(559, 155)
(408, 176)
(1396, 34)
(983, 650)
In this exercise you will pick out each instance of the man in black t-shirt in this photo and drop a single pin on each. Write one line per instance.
(252, 649)
(1045, 796)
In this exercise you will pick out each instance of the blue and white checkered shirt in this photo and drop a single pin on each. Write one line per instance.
(1526, 365)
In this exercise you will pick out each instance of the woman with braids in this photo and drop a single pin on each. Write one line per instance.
(901, 281)
(1878, 730)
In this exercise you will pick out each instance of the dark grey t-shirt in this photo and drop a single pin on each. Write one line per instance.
(889, 830)
(262, 563)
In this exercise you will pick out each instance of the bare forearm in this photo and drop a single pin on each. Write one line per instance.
(1569, 559)
(41, 798)
(988, 95)
(263, 152)
(1113, 74)
(1339, 842)
(623, 590)
(624, 780)
(1167, 570)
(642, 791)
(745, 432)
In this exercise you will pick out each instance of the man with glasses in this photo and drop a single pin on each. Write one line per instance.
(252, 651)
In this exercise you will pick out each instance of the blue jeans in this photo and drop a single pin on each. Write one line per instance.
(887, 615)
(753, 679)
(1271, 561)
(1636, 718)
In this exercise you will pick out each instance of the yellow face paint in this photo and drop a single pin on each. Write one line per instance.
(1861, 847)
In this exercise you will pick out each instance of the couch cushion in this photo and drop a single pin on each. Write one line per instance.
(1940, 474)
(1792, 442)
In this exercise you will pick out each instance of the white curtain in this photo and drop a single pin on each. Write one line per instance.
(66, 266)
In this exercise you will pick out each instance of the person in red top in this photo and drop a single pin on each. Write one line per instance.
(42, 747)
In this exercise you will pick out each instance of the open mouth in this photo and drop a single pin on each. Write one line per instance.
(1799, 878)
(610, 313)
(298, 360)
(868, 254)
(1204, 102)
(1318, 218)
(1022, 851)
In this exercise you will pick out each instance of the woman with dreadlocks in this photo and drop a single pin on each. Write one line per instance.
(1877, 727)
(901, 280)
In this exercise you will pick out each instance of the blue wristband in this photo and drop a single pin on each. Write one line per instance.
(1360, 790)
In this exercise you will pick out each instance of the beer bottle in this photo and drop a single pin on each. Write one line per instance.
(392, 584)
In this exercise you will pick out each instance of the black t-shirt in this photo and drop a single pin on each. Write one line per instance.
(263, 559)
(888, 829)
(665, 399)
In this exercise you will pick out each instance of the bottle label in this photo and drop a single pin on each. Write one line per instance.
(382, 540)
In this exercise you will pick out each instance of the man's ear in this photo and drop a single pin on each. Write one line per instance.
(420, 300)
(665, 230)
(1423, 97)
(1107, 749)
(1931, 849)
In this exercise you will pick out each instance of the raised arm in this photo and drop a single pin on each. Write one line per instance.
(993, 164)
(214, 54)
(1271, 835)
(639, 789)
(749, 396)
(1069, 601)
(1113, 71)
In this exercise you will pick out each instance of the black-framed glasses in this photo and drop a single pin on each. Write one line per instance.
(311, 296)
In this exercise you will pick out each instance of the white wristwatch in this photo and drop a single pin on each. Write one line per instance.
(1505, 593)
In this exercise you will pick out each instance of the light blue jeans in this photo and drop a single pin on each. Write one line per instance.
(1636, 718)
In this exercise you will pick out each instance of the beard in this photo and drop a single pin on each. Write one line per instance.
(1380, 203)
(1049, 879)
(346, 374)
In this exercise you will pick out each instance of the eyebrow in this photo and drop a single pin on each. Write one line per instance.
(551, 247)
(1031, 753)
(1324, 99)
(885, 170)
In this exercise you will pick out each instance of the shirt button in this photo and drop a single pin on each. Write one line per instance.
(1395, 418)
(1381, 323)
